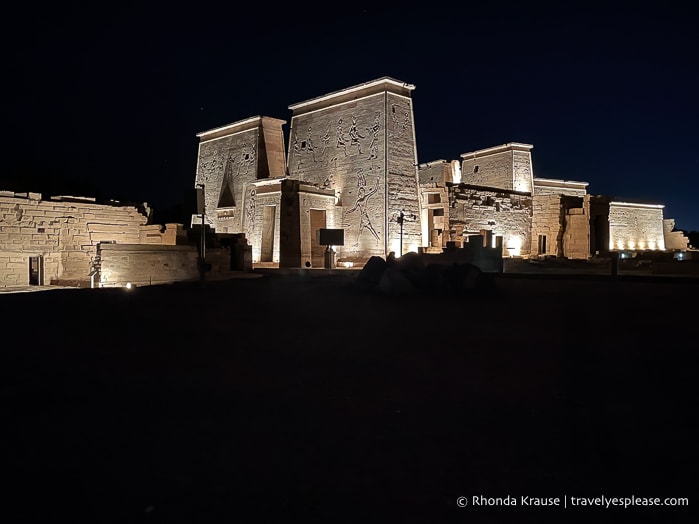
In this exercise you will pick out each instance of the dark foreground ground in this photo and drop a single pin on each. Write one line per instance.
(301, 399)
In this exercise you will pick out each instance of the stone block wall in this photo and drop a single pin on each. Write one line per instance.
(636, 226)
(298, 243)
(546, 220)
(493, 170)
(507, 166)
(522, 173)
(315, 199)
(262, 217)
(402, 178)
(434, 203)
(168, 235)
(674, 240)
(502, 213)
(62, 231)
(576, 237)
(145, 265)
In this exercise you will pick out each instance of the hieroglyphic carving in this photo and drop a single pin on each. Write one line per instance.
(374, 131)
(309, 144)
(361, 205)
(399, 126)
(250, 212)
(247, 158)
(329, 181)
(297, 151)
(325, 139)
(217, 163)
(355, 136)
(340, 136)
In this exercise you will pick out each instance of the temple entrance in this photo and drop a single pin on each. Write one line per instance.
(317, 250)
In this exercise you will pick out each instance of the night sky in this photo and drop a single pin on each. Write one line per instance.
(106, 100)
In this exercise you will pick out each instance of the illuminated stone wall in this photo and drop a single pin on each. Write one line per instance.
(261, 216)
(402, 177)
(576, 236)
(229, 160)
(347, 156)
(434, 200)
(169, 235)
(546, 221)
(278, 221)
(508, 166)
(501, 213)
(636, 226)
(63, 231)
(548, 215)
(315, 199)
(360, 142)
(145, 265)
(675, 240)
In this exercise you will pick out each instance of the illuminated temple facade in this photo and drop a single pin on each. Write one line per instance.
(351, 166)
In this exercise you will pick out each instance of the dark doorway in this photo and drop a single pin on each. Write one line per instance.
(36, 271)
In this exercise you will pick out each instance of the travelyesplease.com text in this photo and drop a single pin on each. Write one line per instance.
(569, 501)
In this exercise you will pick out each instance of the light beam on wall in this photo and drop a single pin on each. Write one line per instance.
(514, 246)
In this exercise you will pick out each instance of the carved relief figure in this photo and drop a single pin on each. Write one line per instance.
(406, 122)
(209, 169)
(399, 129)
(374, 131)
(247, 159)
(228, 170)
(341, 143)
(355, 136)
(297, 151)
(329, 181)
(309, 145)
(212, 172)
(325, 138)
(361, 205)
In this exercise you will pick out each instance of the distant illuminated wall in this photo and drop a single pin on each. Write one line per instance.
(146, 265)
(636, 226)
(502, 213)
(508, 166)
(547, 219)
(675, 240)
(65, 232)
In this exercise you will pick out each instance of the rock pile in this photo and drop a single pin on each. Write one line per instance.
(411, 275)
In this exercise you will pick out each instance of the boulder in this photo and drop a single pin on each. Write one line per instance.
(370, 275)
(394, 282)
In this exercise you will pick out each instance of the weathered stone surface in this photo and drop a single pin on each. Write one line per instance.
(63, 234)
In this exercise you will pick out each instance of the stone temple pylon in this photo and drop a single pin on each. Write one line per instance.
(360, 142)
